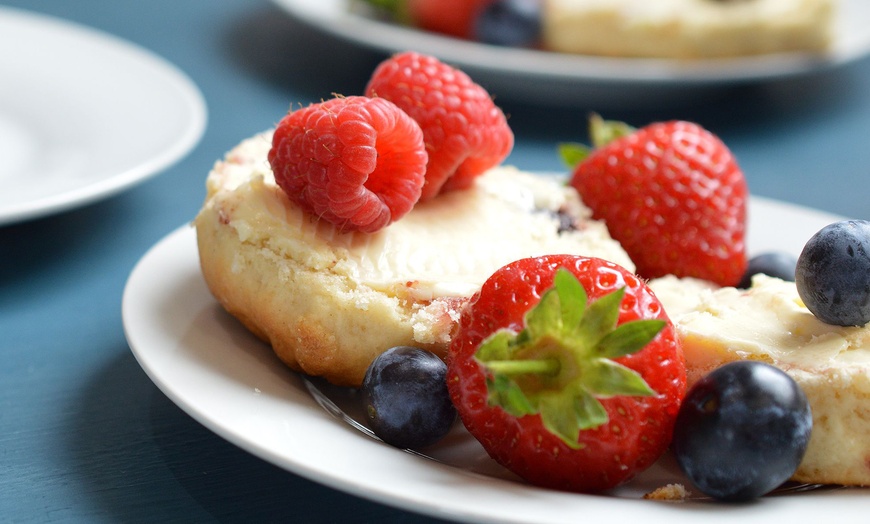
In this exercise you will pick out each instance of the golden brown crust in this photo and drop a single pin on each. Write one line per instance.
(316, 322)
(668, 493)
(329, 302)
(839, 451)
(770, 324)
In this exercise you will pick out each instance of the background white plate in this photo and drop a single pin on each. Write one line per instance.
(226, 379)
(84, 115)
(558, 78)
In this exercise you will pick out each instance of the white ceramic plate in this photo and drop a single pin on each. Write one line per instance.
(84, 115)
(226, 379)
(558, 78)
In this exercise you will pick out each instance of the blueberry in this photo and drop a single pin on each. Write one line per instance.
(833, 273)
(405, 398)
(511, 23)
(775, 264)
(742, 430)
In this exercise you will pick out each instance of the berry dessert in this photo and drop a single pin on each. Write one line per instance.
(770, 323)
(685, 29)
(306, 235)
(379, 242)
(568, 371)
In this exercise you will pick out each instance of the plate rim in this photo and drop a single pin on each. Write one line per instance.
(180, 245)
(188, 136)
(333, 17)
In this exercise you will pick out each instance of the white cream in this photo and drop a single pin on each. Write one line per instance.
(687, 28)
(770, 323)
(445, 247)
(766, 322)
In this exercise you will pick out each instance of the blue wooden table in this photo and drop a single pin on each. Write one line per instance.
(85, 436)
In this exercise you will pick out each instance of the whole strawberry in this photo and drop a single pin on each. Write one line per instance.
(672, 194)
(356, 162)
(568, 371)
(464, 131)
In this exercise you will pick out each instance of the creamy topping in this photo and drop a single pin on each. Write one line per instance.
(446, 246)
(687, 28)
(767, 322)
(639, 12)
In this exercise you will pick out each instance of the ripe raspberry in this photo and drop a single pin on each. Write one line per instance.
(356, 162)
(464, 131)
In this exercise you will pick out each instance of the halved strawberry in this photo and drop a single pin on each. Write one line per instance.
(568, 371)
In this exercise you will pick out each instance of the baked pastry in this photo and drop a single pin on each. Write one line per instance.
(329, 302)
(769, 323)
(687, 28)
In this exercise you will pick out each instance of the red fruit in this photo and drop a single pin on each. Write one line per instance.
(464, 131)
(449, 17)
(672, 194)
(551, 388)
(356, 162)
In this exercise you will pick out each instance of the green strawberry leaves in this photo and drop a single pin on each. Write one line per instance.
(573, 153)
(561, 363)
(601, 133)
(395, 9)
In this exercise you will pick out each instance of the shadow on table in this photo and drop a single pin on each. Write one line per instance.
(287, 53)
(100, 241)
(780, 106)
(146, 460)
(42, 253)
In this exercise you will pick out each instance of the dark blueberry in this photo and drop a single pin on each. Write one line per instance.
(775, 264)
(511, 23)
(833, 273)
(405, 398)
(567, 222)
(742, 430)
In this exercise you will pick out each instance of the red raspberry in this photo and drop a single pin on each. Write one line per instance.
(356, 162)
(464, 131)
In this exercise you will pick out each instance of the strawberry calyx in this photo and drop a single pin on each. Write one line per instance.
(394, 9)
(601, 133)
(562, 362)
